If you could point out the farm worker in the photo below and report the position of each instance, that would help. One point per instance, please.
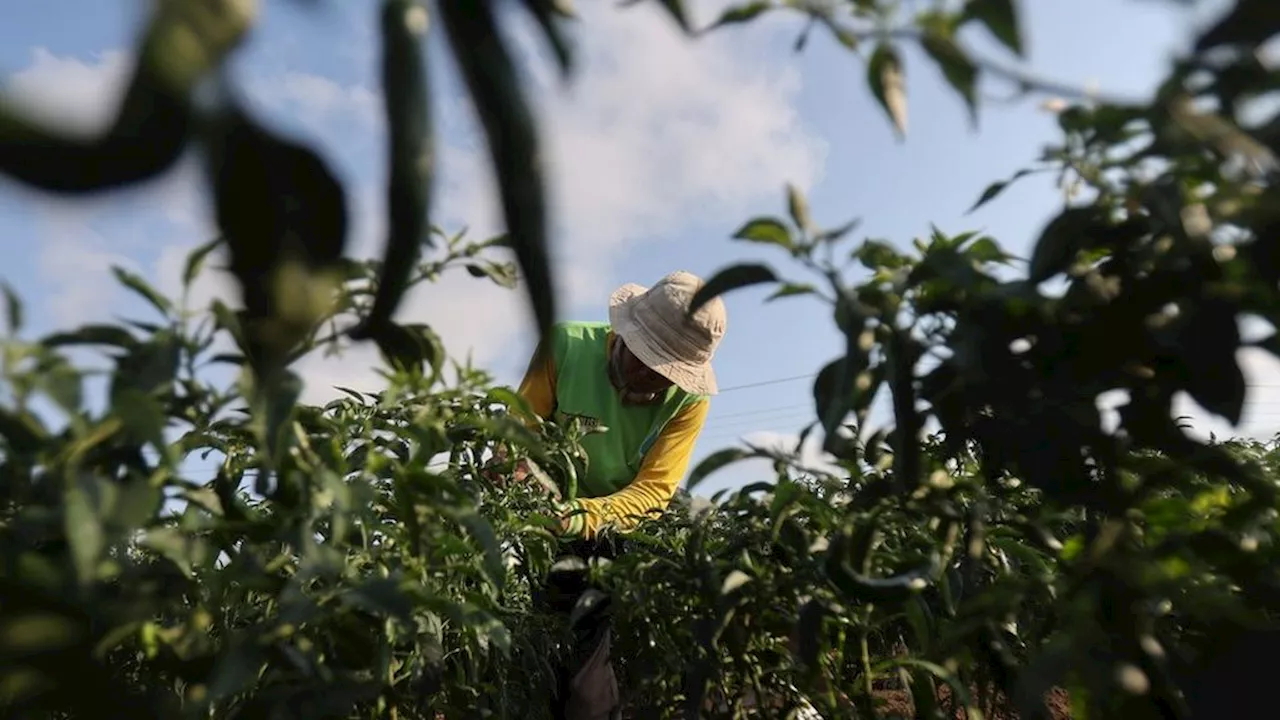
(646, 377)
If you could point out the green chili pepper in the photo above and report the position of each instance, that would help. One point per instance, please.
(406, 101)
(487, 68)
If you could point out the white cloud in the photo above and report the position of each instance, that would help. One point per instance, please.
(74, 261)
(74, 95)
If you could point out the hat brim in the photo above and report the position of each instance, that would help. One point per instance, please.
(693, 378)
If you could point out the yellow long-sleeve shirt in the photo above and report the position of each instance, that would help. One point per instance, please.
(660, 472)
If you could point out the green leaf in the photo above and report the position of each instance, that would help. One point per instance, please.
(513, 400)
(838, 232)
(149, 367)
(504, 274)
(195, 261)
(281, 401)
(791, 290)
(876, 255)
(407, 348)
(185, 551)
(885, 78)
(956, 67)
(731, 278)
(83, 504)
(957, 687)
(144, 419)
(740, 14)
(13, 309)
(63, 384)
(716, 461)
(766, 230)
(509, 430)
(677, 11)
(994, 189)
(236, 669)
(93, 335)
(987, 250)
(22, 431)
(482, 532)
(1001, 18)
(141, 287)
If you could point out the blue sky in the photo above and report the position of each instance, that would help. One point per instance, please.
(658, 150)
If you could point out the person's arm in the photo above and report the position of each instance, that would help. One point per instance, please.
(653, 487)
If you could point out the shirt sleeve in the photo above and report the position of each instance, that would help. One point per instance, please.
(654, 485)
(539, 385)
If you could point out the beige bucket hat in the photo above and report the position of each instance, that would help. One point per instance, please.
(657, 328)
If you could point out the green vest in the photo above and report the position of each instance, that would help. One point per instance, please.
(583, 390)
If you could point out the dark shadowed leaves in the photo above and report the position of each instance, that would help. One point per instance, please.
(1208, 340)
(407, 348)
(731, 278)
(149, 367)
(383, 596)
(1065, 236)
(1249, 23)
(809, 631)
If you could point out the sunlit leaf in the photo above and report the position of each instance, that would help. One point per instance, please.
(135, 283)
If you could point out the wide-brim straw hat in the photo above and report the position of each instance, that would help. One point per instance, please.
(656, 326)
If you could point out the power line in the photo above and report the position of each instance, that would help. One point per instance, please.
(762, 383)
